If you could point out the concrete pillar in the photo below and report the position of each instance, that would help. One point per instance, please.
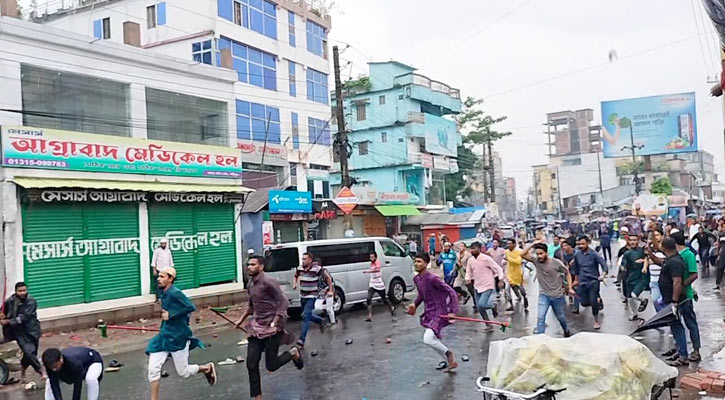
(137, 95)
(12, 94)
(12, 238)
(143, 234)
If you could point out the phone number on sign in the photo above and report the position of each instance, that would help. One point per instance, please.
(35, 163)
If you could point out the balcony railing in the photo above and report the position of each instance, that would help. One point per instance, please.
(417, 79)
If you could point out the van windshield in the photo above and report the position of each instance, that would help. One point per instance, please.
(281, 259)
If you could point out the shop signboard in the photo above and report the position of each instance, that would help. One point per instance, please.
(274, 154)
(26, 147)
(289, 202)
(346, 200)
(656, 125)
(267, 232)
(397, 198)
(440, 136)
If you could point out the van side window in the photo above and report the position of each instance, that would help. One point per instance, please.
(391, 249)
(282, 259)
(343, 253)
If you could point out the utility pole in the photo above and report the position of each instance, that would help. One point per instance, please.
(341, 143)
(484, 173)
(599, 168)
(632, 147)
(491, 176)
(341, 140)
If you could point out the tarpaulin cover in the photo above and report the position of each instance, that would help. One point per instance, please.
(589, 365)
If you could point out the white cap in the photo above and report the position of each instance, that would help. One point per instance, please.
(624, 229)
(164, 240)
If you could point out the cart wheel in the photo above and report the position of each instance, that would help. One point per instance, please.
(4, 373)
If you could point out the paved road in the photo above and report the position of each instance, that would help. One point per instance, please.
(371, 369)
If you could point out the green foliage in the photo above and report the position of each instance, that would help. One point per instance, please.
(455, 184)
(661, 186)
(360, 85)
(478, 124)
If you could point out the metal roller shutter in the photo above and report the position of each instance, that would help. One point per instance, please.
(53, 281)
(112, 276)
(175, 220)
(78, 263)
(217, 261)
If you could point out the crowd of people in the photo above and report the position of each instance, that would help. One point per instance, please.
(656, 263)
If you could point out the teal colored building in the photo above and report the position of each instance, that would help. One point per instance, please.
(403, 137)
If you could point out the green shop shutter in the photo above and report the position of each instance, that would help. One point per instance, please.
(113, 276)
(174, 220)
(53, 281)
(201, 239)
(90, 252)
(217, 261)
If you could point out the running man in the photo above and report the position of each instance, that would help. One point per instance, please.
(553, 248)
(482, 270)
(587, 263)
(515, 273)
(325, 301)
(448, 259)
(175, 337)
(635, 263)
(307, 277)
(264, 322)
(73, 366)
(566, 254)
(376, 286)
(20, 323)
(548, 272)
(440, 299)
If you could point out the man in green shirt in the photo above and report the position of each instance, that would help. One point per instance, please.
(686, 308)
(637, 280)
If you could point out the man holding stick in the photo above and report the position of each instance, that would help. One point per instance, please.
(440, 299)
(267, 308)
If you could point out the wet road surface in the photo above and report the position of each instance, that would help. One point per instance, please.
(371, 369)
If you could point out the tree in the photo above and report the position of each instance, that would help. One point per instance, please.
(455, 183)
(661, 186)
(480, 127)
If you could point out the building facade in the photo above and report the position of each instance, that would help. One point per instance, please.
(278, 51)
(572, 132)
(545, 192)
(403, 139)
(106, 150)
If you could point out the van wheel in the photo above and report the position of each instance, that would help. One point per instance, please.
(397, 291)
(339, 301)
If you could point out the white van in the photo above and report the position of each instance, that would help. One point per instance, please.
(346, 259)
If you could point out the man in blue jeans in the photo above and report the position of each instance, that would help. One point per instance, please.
(308, 277)
(548, 272)
(586, 263)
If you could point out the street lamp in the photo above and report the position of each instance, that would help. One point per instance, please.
(627, 123)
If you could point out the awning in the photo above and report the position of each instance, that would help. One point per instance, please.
(397, 211)
(37, 183)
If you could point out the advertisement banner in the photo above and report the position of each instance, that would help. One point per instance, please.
(289, 202)
(659, 124)
(440, 136)
(414, 184)
(25, 147)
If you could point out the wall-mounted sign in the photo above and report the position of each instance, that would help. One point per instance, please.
(274, 154)
(111, 196)
(397, 198)
(25, 147)
(289, 202)
(426, 160)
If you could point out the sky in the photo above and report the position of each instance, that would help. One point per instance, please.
(527, 58)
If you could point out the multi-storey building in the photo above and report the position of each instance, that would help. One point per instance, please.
(106, 150)
(278, 50)
(403, 138)
(572, 132)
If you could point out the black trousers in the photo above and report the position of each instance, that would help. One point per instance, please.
(381, 293)
(272, 360)
(607, 253)
(29, 346)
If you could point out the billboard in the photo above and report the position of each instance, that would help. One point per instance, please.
(441, 136)
(659, 124)
(26, 147)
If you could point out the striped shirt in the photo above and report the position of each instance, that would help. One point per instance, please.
(309, 279)
(654, 269)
